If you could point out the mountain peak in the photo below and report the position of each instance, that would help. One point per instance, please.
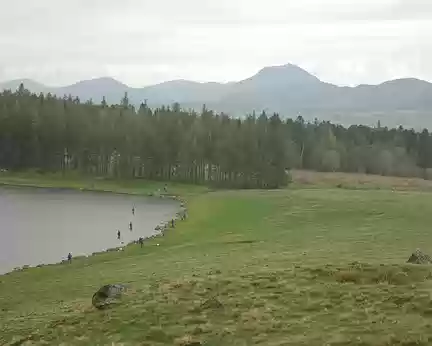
(286, 68)
(283, 74)
(102, 82)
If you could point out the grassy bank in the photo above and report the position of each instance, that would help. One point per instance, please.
(79, 182)
(291, 267)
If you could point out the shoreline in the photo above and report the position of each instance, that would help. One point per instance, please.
(158, 231)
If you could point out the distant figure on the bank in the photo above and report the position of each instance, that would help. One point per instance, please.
(172, 223)
(130, 226)
(166, 188)
(133, 210)
(141, 241)
(69, 257)
(118, 234)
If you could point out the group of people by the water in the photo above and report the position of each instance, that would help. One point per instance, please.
(141, 239)
(130, 225)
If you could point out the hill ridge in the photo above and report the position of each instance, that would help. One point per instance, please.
(286, 89)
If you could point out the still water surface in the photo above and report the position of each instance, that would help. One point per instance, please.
(43, 226)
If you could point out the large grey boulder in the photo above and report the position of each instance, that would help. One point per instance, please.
(107, 295)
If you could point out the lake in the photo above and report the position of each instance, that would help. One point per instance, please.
(43, 225)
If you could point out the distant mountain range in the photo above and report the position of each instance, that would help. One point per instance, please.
(288, 90)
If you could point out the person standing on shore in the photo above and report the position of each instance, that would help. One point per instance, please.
(69, 257)
(141, 241)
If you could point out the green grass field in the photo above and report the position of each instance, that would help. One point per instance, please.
(303, 266)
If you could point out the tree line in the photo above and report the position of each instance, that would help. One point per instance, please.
(49, 133)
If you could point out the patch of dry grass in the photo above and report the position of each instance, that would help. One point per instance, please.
(305, 305)
(358, 181)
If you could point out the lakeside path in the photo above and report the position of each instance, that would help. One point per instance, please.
(307, 266)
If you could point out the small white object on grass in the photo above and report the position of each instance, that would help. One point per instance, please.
(157, 244)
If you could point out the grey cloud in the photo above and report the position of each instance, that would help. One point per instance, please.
(412, 9)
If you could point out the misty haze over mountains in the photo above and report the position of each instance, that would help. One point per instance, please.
(288, 90)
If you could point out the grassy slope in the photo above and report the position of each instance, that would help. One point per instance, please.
(280, 263)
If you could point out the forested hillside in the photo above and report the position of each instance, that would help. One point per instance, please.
(169, 143)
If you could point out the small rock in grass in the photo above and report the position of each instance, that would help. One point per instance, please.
(418, 257)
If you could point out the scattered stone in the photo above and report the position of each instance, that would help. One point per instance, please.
(107, 295)
(212, 303)
(214, 272)
(418, 257)
(187, 341)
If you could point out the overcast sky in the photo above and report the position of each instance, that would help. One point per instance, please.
(141, 42)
